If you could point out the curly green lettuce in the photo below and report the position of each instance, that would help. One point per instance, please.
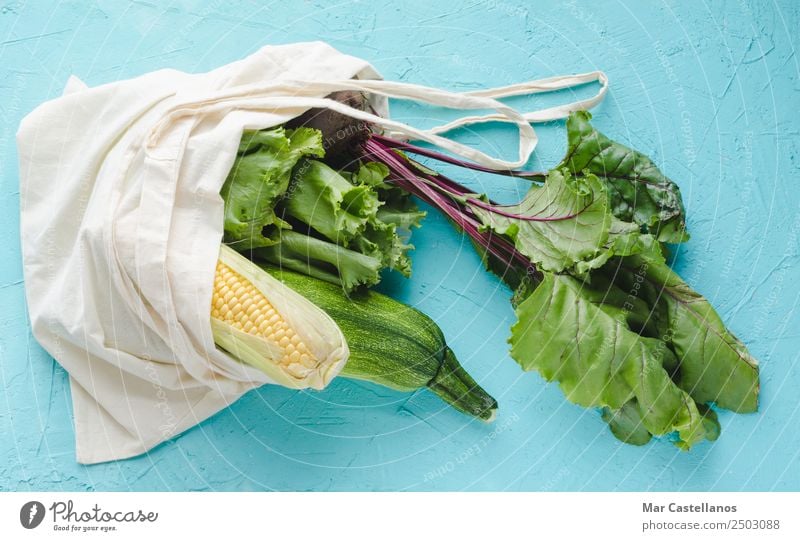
(285, 206)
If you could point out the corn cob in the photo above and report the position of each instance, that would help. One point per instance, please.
(237, 302)
(265, 324)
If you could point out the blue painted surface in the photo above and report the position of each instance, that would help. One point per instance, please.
(710, 90)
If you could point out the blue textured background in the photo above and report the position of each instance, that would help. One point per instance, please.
(709, 90)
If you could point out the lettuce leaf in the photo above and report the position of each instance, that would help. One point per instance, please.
(357, 211)
(399, 209)
(297, 212)
(381, 241)
(325, 201)
(322, 259)
(258, 179)
(371, 174)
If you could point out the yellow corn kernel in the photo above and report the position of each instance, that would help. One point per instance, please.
(237, 302)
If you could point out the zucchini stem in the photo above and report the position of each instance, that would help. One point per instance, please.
(456, 387)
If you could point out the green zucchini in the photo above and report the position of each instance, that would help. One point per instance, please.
(393, 344)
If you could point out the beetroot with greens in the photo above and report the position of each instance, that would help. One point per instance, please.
(599, 309)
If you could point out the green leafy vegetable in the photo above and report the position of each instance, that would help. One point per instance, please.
(565, 221)
(322, 259)
(638, 191)
(569, 334)
(258, 179)
(714, 365)
(297, 212)
(324, 200)
(626, 423)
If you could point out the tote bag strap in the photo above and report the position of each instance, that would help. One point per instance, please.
(549, 84)
(453, 100)
(293, 95)
(296, 96)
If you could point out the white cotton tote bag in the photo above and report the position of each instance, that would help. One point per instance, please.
(121, 223)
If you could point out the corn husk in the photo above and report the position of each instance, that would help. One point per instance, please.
(315, 328)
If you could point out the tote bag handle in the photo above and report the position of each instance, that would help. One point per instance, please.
(294, 95)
